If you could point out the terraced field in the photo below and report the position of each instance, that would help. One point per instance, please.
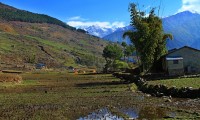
(61, 95)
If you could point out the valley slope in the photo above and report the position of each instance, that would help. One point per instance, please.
(24, 40)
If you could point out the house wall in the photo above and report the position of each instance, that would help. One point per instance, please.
(175, 69)
(171, 65)
(191, 59)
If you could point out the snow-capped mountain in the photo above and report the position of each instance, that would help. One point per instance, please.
(184, 26)
(117, 35)
(98, 31)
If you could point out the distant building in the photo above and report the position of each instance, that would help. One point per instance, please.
(185, 60)
(39, 65)
(71, 69)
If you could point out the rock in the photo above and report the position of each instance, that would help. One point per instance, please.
(161, 94)
(165, 97)
(153, 94)
(170, 97)
(168, 100)
(148, 95)
(163, 89)
(190, 88)
(173, 91)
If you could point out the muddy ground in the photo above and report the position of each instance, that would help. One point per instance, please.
(60, 95)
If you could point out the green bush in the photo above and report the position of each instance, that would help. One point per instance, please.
(119, 65)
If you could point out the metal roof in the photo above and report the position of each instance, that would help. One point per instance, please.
(174, 58)
(174, 50)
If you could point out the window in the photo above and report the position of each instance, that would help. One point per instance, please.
(175, 61)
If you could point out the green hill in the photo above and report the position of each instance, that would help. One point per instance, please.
(11, 14)
(27, 38)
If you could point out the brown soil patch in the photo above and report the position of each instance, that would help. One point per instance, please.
(6, 28)
(58, 35)
(10, 78)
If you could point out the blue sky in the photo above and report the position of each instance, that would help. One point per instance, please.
(105, 13)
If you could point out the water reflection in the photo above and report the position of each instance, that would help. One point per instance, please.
(147, 112)
(102, 114)
(171, 115)
(131, 113)
(105, 114)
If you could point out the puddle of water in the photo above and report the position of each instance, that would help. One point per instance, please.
(147, 112)
(131, 113)
(171, 115)
(102, 114)
(105, 114)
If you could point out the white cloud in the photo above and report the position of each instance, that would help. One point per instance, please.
(148, 7)
(76, 18)
(78, 24)
(190, 5)
(118, 24)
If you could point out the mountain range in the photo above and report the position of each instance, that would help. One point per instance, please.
(98, 31)
(117, 35)
(184, 26)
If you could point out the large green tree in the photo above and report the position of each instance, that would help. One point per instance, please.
(148, 38)
(111, 53)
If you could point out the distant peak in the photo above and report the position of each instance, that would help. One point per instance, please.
(187, 12)
(95, 26)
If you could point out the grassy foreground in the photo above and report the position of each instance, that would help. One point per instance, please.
(64, 96)
(179, 83)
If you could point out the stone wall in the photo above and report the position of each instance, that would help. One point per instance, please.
(159, 90)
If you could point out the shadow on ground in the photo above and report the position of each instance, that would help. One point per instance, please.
(92, 84)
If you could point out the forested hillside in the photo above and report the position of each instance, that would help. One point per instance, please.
(11, 14)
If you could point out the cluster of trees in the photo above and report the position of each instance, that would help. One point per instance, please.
(149, 39)
(25, 16)
(113, 54)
